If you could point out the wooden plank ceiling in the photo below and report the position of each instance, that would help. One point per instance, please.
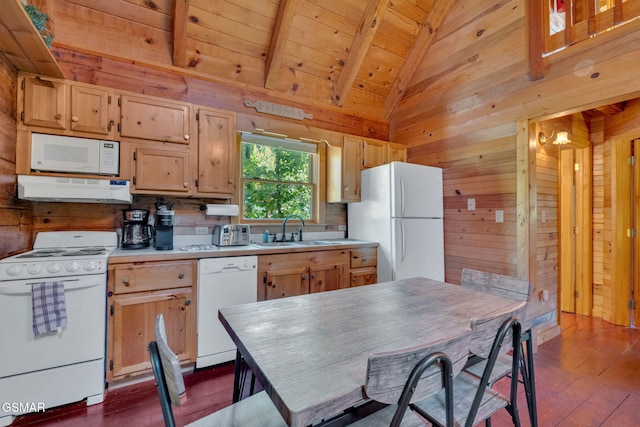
(356, 55)
(352, 53)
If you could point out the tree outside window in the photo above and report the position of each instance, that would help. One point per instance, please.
(277, 178)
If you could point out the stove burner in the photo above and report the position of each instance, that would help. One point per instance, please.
(52, 252)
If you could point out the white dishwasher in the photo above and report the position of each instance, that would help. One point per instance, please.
(222, 282)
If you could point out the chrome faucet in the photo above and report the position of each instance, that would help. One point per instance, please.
(284, 227)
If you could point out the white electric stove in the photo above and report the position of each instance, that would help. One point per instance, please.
(64, 366)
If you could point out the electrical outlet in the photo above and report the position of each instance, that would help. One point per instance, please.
(342, 227)
(499, 216)
(202, 230)
(471, 204)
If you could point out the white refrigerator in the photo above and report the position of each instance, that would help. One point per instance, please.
(401, 209)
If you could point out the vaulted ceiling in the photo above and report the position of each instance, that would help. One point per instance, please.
(356, 55)
(348, 52)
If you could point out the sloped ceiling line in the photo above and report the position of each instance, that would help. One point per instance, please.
(359, 47)
(279, 37)
(180, 33)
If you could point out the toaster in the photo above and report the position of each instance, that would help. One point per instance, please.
(231, 235)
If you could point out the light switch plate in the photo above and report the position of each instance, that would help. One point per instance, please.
(499, 216)
(471, 204)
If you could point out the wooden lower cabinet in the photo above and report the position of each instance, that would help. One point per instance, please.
(138, 292)
(285, 275)
(363, 267)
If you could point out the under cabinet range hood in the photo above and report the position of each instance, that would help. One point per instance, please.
(68, 189)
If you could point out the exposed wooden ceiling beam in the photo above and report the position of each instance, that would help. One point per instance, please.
(359, 47)
(279, 37)
(180, 33)
(428, 32)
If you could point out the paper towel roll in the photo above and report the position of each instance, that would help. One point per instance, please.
(222, 210)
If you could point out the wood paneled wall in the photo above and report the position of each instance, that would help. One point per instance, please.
(16, 219)
(460, 112)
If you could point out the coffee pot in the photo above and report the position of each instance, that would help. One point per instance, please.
(136, 232)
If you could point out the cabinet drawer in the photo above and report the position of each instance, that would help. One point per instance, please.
(364, 257)
(135, 278)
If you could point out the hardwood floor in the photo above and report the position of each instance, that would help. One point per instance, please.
(586, 377)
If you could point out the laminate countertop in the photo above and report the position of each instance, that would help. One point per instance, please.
(120, 256)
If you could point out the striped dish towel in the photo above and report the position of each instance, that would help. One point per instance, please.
(49, 309)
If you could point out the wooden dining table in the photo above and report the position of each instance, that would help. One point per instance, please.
(310, 352)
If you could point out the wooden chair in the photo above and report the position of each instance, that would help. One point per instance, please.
(502, 286)
(255, 411)
(400, 377)
(473, 399)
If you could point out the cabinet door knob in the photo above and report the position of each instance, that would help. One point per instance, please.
(186, 137)
(110, 125)
(58, 116)
(74, 118)
(185, 184)
(187, 302)
(126, 281)
(181, 276)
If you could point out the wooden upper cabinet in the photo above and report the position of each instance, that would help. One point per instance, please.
(63, 108)
(396, 152)
(45, 103)
(160, 171)
(374, 153)
(149, 118)
(92, 110)
(216, 152)
(343, 170)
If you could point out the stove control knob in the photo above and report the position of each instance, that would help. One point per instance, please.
(34, 268)
(54, 267)
(14, 270)
(89, 265)
(72, 266)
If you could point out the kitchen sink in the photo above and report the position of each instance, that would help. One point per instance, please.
(275, 244)
(317, 243)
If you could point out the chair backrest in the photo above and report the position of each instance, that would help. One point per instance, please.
(388, 372)
(508, 335)
(161, 384)
(496, 284)
(166, 371)
(483, 329)
(170, 364)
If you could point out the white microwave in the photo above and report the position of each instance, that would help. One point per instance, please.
(54, 153)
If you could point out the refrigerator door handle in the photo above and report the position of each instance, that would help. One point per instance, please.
(404, 241)
(401, 197)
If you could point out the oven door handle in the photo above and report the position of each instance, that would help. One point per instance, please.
(21, 287)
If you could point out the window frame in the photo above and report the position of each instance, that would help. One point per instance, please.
(318, 179)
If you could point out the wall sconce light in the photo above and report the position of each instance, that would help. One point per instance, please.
(562, 136)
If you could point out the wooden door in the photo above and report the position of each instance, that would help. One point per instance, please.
(216, 152)
(327, 277)
(374, 153)
(153, 119)
(133, 323)
(634, 254)
(363, 276)
(161, 171)
(576, 242)
(396, 152)
(45, 103)
(351, 167)
(281, 283)
(91, 110)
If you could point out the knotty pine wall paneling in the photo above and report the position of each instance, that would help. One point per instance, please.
(16, 220)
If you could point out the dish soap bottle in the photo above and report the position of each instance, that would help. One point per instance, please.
(265, 239)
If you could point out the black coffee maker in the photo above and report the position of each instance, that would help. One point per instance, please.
(136, 232)
(164, 226)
